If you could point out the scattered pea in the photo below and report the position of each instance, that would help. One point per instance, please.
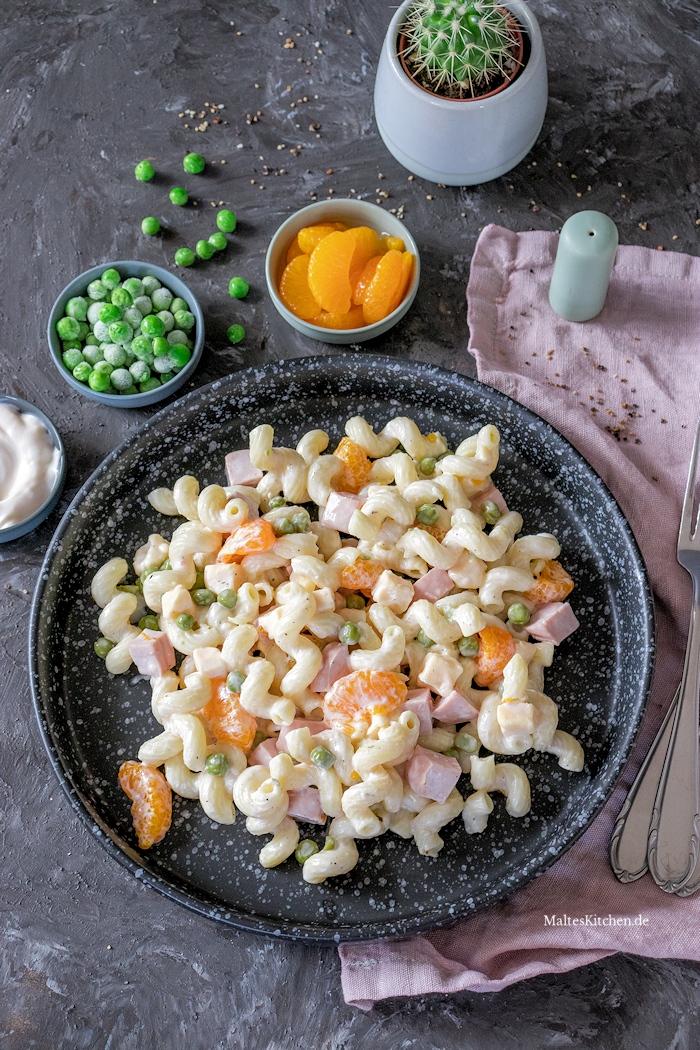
(468, 646)
(490, 511)
(203, 596)
(204, 249)
(305, 849)
(184, 257)
(518, 614)
(102, 646)
(77, 308)
(234, 681)
(150, 226)
(466, 742)
(349, 633)
(218, 241)
(228, 598)
(235, 333)
(68, 328)
(178, 196)
(428, 514)
(193, 163)
(149, 623)
(238, 288)
(322, 757)
(216, 764)
(144, 171)
(354, 601)
(185, 621)
(423, 639)
(226, 220)
(427, 465)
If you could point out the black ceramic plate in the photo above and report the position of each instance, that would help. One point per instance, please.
(91, 722)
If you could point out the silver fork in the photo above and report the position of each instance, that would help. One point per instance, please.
(674, 835)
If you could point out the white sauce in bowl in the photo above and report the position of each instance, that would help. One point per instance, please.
(29, 464)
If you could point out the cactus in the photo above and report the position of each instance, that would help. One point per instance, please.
(460, 47)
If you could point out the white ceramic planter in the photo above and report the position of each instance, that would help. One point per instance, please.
(460, 143)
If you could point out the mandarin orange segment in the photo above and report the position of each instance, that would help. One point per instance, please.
(227, 719)
(367, 245)
(253, 537)
(293, 250)
(311, 236)
(294, 289)
(406, 271)
(362, 575)
(361, 283)
(357, 466)
(393, 244)
(354, 318)
(384, 287)
(363, 694)
(434, 530)
(496, 648)
(552, 584)
(329, 272)
(152, 801)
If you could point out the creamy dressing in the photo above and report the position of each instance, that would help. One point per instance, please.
(29, 464)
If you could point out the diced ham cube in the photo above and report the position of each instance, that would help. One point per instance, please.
(394, 591)
(152, 652)
(336, 664)
(239, 469)
(223, 577)
(455, 707)
(553, 623)
(263, 754)
(209, 662)
(434, 585)
(491, 493)
(305, 805)
(339, 509)
(432, 775)
(421, 703)
(298, 723)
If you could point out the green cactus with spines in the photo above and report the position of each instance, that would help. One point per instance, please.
(464, 45)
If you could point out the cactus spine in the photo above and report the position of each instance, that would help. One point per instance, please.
(460, 47)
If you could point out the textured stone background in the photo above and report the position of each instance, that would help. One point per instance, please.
(88, 958)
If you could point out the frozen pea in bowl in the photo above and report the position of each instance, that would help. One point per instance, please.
(126, 333)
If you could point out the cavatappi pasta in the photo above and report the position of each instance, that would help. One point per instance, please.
(358, 636)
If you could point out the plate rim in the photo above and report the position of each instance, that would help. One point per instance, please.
(236, 916)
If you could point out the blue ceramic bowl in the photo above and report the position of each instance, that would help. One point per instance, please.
(13, 532)
(127, 268)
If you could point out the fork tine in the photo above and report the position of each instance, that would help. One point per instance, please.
(689, 529)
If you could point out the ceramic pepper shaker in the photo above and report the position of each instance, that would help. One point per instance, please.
(585, 257)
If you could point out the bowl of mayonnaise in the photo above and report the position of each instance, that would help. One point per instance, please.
(32, 467)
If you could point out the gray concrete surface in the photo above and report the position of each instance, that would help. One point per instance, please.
(88, 958)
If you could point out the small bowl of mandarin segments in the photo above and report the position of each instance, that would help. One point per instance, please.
(126, 334)
(342, 271)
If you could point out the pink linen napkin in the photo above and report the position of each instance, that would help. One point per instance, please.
(625, 389)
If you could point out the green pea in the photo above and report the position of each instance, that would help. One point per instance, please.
(234, 681)
(164, 365)
(121, 379)
(466, 742)
(203, 596)
(148, 571)
(518, 614)
(427, 465)
(185, 621)
(349, 633)
(216, 764)
(468, 646)
(149, 384)
(238, 288)
(322, 757)
(98, 381)
(109, 313)
(305, 849)
(129, 390)
(140, 371)
(68, 328)
(329, 843)
(82, 371)
(144, 171)
(354, 601)
(71, 358)
(149, 623)
(204, 249)
(166, 565)
(115, 354)
(104, 367)
(218, 241)
(423, 639)
(428, 514)
(92, 340)
(226, 220)
(490, 511)
(132, 588)
(235, 333)
(84, 330)
(193, 163)
(102, 646)
(141, 347)
(122, 297)
(71, 344)
(277, 501)
(179, 355)
(198, 581)
(120, 332)
(110, 278)
(77, 308)
(451, 752)
(283, 527)
(152, 326)
(184, 320)
(443, 454)
(228, 598)
(92, 354)
(178, 196)
(184, 257)
(97, 290)
(160, 346)
(150, 226)
(177, 304)
(301, 522)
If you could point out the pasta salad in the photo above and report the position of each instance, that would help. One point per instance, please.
(356, 631)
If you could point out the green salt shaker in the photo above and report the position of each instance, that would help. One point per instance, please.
(585, 258)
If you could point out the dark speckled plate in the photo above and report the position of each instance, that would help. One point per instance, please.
(91, 722)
